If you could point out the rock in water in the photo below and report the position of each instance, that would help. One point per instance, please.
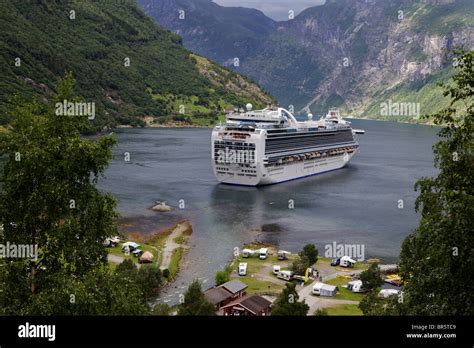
(161, 207)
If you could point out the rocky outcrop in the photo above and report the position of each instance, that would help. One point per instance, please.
(345, 53)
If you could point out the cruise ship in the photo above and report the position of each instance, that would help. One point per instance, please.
(269, 146)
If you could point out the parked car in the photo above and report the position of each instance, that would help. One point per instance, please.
(335, 261)
(137, 252)
(242, 269)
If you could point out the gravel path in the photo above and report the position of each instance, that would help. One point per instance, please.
(171, 245)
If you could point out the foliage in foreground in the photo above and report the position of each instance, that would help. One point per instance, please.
(48, 198)
(195, 303)
(287, 303)
(371, 277)
(437, 259)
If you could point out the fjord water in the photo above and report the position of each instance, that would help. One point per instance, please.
(358, 204)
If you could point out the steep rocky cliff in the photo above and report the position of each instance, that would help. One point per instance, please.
(219, 33)
(355, 54)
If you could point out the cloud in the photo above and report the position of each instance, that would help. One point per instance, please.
(276, 9)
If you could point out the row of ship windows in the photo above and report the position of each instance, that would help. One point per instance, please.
(287, 146)
(313, 155)
(224, 169)
(233, 143)
(239, 174)
(247, 165)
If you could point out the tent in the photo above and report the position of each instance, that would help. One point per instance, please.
(130, 245)
(147, 257)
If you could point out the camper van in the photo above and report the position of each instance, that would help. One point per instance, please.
(286, 275)
(346, 261)
(112, 242)
(263, 253)
(276, 269)
(321, 289)
(242, 269)
(283, 255)
(355, 286)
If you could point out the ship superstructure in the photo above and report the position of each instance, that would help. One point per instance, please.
(270, 146)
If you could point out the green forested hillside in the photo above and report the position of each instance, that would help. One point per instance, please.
(43, 39)
(427, 93)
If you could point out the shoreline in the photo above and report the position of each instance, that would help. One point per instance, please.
(184, 126)
(170, 245)
(125, 126)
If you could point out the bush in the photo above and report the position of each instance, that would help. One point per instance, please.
(179, 118)
(311, 253)
(321, 312)
(127, 268)
(166, 273)
(149, 280)
(300, 265)
(223, 276)
(371, 277)
(161, 309)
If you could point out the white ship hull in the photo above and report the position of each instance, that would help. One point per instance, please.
(279, 174)
(269, 147)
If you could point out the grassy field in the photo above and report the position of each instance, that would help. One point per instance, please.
(344, 309)
(344, 293)
(118, 251)
(180, 240)
(357, 266)
(256, 284)
(174, 263)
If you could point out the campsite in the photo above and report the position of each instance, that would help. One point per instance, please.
(267, 276)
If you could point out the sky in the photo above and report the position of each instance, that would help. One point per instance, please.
(276, 9)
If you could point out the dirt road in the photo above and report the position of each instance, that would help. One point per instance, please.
(171, 245)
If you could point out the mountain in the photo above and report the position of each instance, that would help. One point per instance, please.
(121, 59)
(354, 54)
(219, 33)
